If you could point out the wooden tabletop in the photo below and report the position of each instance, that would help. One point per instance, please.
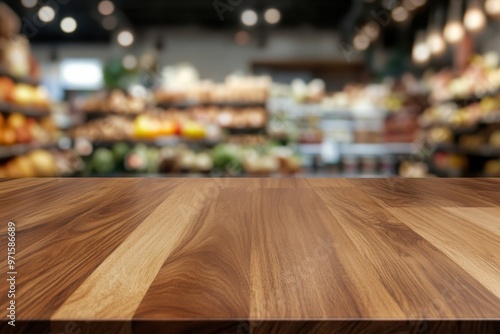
(253, 255)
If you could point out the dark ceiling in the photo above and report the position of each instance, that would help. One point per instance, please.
(343, 15)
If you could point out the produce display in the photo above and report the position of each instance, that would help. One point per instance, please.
(108, 128)
(115, 102)
(15, 54)
(461, 130)
(23, 95)
(182, 84)
(41, 163)
(452, 115)
(480, 78)
(192, 124)
(16, 128)
(223, 159)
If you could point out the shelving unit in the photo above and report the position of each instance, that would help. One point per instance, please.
(16, 79)
(34, 112)
(11, 151)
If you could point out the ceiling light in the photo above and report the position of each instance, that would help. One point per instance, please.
(46, 14)
(272, 16)
(68, 25)
(454, 32)
(492, 7)
(436, 43)
(361, 42)
(125, 38)
(109, 22)
(29, 3)
(421, 53)
(106, 7)
(372, 30)
(399, 14)
(474, 19)
(242, 37)
(129, 62)
(249, 17)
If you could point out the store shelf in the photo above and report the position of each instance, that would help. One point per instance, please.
(16, 79)
(27, 111)
(466, 101)
(20, 149)
(377, 149)
(482, 151)
(493, 118)
(99, 114)
(164, 141)
(246, 131)
(192, 104)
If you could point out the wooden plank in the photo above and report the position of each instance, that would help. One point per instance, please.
(210, 266)
(254, 255)
(116, 288)
(472, 247)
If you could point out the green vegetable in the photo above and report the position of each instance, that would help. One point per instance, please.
(120, 151)
(103, 161)
(226, 159)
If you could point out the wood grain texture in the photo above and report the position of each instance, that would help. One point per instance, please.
(254, 255)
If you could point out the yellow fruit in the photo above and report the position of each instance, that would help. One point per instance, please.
(193, 130)
(23, 94)
(25, 166)
(16, 121)
(142, 127)
(44, 163)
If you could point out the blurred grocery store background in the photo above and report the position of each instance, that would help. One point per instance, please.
(249, 88)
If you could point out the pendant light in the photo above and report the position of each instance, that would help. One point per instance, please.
(492, 8)
(421, 53)
(435, 40)
(474, 19)
(454, 31)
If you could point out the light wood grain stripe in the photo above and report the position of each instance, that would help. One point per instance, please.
(487, 218)
(469, 245)
(116, 288)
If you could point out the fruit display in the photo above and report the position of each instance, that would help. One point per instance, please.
(390, 95)
(312, 92)
(193, 124)
(23, 95)
(182, 84)
(108, 128)
(16, 128)
(486, 111)
(115, 101)
(41, 163)
(480, 78)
